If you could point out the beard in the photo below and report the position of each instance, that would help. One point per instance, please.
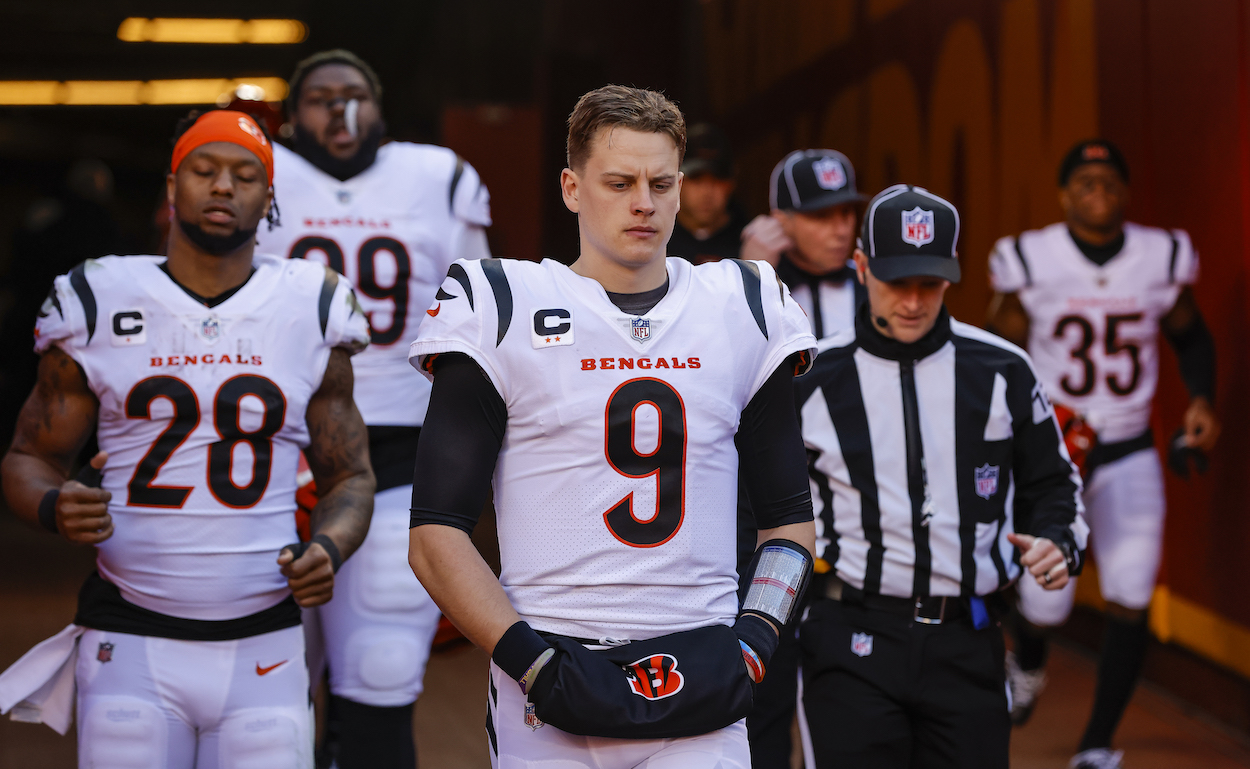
(311, 150)
(217, 245)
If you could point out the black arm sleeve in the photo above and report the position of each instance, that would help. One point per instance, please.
(772, 460)
(1195, 351)
(459, 445)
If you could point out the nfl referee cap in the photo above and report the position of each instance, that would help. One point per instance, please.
(809, 180)
(910, 232)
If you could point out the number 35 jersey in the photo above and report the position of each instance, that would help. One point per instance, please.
(393, 229)
(202, 413)
(1093, 330)
(616, 485)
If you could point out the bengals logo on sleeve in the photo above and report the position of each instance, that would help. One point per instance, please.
(655, 677)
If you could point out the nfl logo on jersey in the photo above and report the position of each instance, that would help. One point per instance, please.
(987, 480)
(105, 652)
(861, 644)
(641, 328)
(829, 174)
(210, 329)
(917, 227)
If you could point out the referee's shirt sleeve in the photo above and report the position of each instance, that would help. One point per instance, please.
(1048, 485)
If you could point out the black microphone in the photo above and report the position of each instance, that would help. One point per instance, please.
(882, 322)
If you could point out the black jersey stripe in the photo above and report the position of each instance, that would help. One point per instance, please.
(457, 272)
(1172, 263)
(327, 295)
(455, 182)
(1028, 276)
(498, 280)
(845, 400)
(78, 279)
(917, 482)
(825, 490)
(490, 732)
(754, 292)
(56, 302)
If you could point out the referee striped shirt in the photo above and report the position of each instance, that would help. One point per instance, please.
(924, 456)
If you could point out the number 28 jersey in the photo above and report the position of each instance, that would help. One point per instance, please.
(617, 482)
(202, 413)
(1093, 330)
(393, 229)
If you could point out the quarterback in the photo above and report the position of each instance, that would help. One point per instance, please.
(204, 375)
(610, 401)
(391, 217)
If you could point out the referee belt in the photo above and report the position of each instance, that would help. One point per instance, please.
(927, 610)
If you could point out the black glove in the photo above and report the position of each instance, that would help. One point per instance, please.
(1179, 454)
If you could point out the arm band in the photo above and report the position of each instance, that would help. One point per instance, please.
(521, 653)
(1195, 352)
(47, 510)
(332, 550)
(778, 575)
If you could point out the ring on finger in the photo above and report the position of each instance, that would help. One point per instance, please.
(1047, 577)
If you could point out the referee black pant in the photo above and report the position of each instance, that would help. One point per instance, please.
(883, 691)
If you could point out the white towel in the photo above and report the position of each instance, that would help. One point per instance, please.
(39, 687)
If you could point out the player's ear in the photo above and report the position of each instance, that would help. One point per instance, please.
(171, 187)
(861, 266)
(569, 189)
(1065, 200)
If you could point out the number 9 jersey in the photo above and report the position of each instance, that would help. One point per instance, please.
(393, 229)
(1094, 330)
(202, 413)
(616, 485)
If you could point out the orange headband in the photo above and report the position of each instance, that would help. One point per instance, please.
(225, 125)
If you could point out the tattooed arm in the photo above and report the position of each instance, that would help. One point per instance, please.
(53, 426)
(338, 456)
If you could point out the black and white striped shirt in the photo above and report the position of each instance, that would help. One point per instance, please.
(924, 456)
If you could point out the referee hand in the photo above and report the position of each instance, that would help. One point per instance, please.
(1043, 559)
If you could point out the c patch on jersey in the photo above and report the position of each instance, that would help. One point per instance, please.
(551, 328)
(128, 328)
(655, 677)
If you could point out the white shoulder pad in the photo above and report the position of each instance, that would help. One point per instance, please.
(471, 314)
(783, 323)
(1184, 265)
(1007, 269)
(69, 315)
(470, 202)
(343, 322)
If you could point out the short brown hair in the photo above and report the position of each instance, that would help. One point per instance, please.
(617, 105)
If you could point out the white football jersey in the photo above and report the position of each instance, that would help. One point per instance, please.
(393, 229)
(616, 488)
(1094, 331)
(202, 414)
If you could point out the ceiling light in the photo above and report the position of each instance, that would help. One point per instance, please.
(128, 92)
(140, 30)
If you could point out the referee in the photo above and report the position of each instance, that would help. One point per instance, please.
(940, 479)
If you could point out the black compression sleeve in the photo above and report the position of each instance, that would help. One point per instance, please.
(773, 462)
(1195, 351)
(459, 445)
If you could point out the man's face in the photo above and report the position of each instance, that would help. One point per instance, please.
(626, 196)
(322, 105)
(823, 240)
(909, 305)
(1095, 197)
(704, 199)
(220, 187)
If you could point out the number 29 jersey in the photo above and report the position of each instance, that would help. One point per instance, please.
(1093, 330)
(202, 413)
(393, 229)
(617, 482)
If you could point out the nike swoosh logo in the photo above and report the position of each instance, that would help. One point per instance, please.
(262, 671)
(435, 311)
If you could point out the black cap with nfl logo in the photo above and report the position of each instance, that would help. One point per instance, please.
(809, 180)
(909, 232)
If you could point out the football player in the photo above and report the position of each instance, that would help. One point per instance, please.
(204, 375)
(1089, 296)
(392, 217)
(606, 399)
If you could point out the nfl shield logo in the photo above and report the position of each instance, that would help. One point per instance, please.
(829, 173)
(210, 328)
(917, 227)
(987, 480)
(641, 328)
(861, 644)
(344, 197)
(105, 652)
(531, 720)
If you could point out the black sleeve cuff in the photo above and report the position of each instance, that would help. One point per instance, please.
(757, 634)
(517, 650)
(420, 517)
